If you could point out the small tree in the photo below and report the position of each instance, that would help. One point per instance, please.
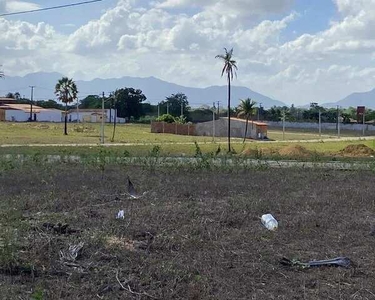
(247, 109)
(113, 102)
(66, 91)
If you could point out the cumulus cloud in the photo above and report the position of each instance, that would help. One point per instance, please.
(234, 6)
(161, 41)
(9, 6)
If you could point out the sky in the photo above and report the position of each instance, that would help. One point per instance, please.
(296, 51)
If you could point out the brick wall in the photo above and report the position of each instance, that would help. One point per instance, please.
(173, 128)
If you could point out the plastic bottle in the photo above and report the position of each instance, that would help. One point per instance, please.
(269, 222)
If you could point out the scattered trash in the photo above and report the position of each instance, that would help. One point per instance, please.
(72, 253)
(120, 214)
(132, 192)
(269, 222)
(338, 262)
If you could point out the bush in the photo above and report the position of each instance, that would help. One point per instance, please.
(166, 118)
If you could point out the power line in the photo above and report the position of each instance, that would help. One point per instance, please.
(49, 8)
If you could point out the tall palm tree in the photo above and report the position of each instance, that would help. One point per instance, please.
(66, 91)
(247, 109)
(230, 67)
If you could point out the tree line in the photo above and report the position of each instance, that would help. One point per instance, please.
(131, 104)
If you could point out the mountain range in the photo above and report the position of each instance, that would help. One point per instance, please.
(156, 90)
(366, 99)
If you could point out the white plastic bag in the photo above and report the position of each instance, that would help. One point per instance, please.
(120, 214)
(269, 222)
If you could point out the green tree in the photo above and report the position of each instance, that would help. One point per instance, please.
(246, 109)
(91, 101)
(49, 104)
(175, 103)
(230, 67)
(129, 103)
(10, 95)
(66, 91)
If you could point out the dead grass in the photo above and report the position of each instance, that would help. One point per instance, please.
(196, 235)
(359, 150)
(295, 151)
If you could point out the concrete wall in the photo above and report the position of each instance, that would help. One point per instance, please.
(49, 116)
(174, 128)
(16, 115)
(87, 116)
(221, 128)
(325, 126)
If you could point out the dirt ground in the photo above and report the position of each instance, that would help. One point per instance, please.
(194, 235)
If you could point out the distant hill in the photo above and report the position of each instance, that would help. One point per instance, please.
(155, 89)
(356, 99)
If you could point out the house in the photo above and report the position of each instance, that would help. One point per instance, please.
(255, 130)
(5, 100)
(21, 113)
(90, 115)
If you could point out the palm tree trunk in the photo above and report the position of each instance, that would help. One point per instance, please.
(247, 122)
(229, 149)
(66, 119)
(114, 126)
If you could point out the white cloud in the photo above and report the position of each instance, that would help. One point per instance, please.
(180, 47)
(10, 6)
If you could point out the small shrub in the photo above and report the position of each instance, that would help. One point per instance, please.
(166, 118)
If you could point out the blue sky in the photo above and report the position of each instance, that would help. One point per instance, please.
(297, 51)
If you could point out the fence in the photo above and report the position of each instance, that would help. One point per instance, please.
(325, 126)
(174, 128)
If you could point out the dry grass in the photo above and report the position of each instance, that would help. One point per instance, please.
(195, 235)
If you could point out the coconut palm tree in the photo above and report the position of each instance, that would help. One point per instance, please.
(66, 91)
(247, 109)
(230, 67)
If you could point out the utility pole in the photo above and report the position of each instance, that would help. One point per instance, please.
(167, 108)
(31, 103)
(260, 106)
(102, 127)
(77, 112)
(320, 123)
(218, 108)
(338, 121)
(363, 123)
(158, 109)
(213, 122)
(182, 108)
(283, 115)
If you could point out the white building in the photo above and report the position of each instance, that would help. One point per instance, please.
(21, 113)
(89, 115)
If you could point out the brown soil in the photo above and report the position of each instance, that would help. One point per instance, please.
(195, 235)
(294, 151)
(359, 150)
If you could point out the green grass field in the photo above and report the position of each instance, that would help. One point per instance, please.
(50, 133)
(139, 141)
